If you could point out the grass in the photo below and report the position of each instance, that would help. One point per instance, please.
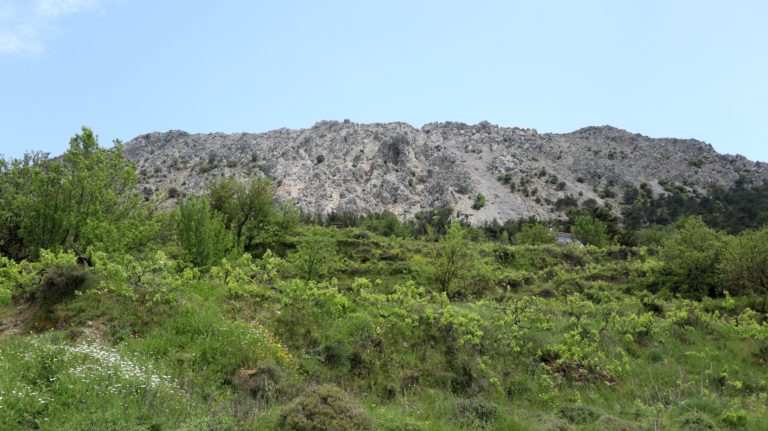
(183, 350)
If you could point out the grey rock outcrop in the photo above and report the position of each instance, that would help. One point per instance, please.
(366, 168)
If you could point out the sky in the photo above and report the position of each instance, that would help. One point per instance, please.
(683, 69)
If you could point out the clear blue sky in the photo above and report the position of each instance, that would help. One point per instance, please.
(686, 69)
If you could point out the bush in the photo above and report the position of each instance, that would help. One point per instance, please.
(315, 256)
(451, 260)
(62, 281)
(577, 414)
(611, 423)
(533, 234)
(590, 231)
(744, 263)
(5, 296)
(398, 423)
(477, 411)
(696, 421)
(479, 201)
(201, 232)
(734, 419)
(266, 382)
(691, 256)
(324, 408)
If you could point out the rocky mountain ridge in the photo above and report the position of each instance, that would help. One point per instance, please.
(367, 168)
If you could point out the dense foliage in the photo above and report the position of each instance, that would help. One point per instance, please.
(85, 198)
(229, 313)
(733, 210)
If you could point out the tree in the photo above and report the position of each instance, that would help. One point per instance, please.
(315, 255)
(745, 263)
(590, 231)
(201, 232)
(433, 222)
(691, 256)
(451, 259)
(247, 209)
(73, 202)
(534, 233)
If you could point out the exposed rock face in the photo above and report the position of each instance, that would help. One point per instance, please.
(365, 168)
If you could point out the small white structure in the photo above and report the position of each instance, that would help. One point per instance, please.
(564, 238)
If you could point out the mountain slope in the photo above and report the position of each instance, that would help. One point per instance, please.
(344, 166)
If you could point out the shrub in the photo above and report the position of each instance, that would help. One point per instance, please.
(504, 255)
(691, 256)
(399, 423)
(5, 296)
(578, 414)
(266, 382)
(696, 421)
(534, 233)
(62, 281)
(201, 231)
(479, 201)
(734, 419)
(323, 408)
(315, 256)
(612, 423)
(744, 263)
(477, 410)
(590, 231)
(452, 259)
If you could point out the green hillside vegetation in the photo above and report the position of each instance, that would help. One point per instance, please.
(235, 312)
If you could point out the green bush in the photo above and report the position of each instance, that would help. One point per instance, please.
(201, 232)
(62, 281)
(612, 423)
(479, 201)
(696, 421)
(451, 259)
(398, 423)
(267, 382)
(734, 419)
(691, 257)
(477, 411)
(745, 261)
(590, 231)
(578, 414)
(86, 197)
(315, 256)
(533, 234)
(324, 408)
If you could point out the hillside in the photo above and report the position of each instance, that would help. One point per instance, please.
(233, 312)
(368, 168)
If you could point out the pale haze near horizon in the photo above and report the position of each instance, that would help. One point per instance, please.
(685, 69)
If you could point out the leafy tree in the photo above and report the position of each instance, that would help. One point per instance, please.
(433, 222)
(745, 262)
(387, 224)
(87, 197)
(201, 232)
(315, 255)
(534, 233)
(691, 256)
(451, 259)
(252, 213)
(601, 214)
(590, 231)
(246, 208)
